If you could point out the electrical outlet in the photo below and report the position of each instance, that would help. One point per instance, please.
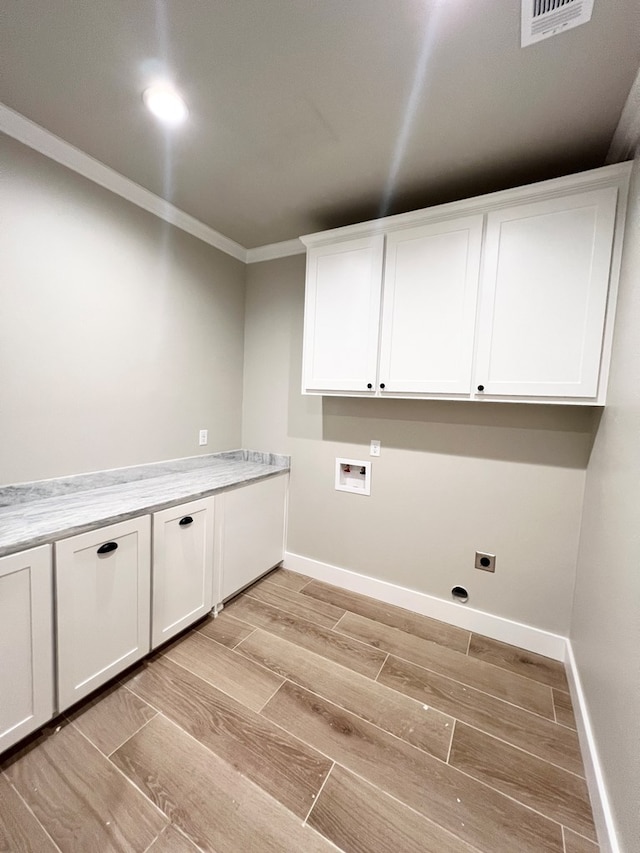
(204, 437)
(485, 562)
(374, 448)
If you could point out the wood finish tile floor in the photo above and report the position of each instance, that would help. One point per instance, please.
(307, 719)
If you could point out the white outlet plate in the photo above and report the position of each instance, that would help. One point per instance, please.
(203, 437)
(374, 447)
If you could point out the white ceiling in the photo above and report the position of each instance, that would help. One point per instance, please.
(311, 114)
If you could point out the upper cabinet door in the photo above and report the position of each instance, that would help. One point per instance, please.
(544, 296)
(342, 315)
(429, 307)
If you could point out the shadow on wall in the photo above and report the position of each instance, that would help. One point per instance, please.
(533, 434)
(560, 436)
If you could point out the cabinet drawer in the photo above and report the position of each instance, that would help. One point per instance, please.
(102, 582)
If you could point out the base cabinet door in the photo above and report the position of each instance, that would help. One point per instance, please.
(182, 581)
(249, 533)
(26, 644)
(102, 583)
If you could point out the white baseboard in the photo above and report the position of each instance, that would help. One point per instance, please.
(602, 814)
(496, 627)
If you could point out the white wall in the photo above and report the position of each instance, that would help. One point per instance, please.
(453, 477)
(120, 336)
(605, 629)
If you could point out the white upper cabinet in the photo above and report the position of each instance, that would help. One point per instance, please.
(544, 296)
(342, 315)
(506, 297)
(430, 292)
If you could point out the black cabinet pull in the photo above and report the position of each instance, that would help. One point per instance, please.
(107, 547)
(382, 384)
(369, 385)
(480, 387)
(186, 520)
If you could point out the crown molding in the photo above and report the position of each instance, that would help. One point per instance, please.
(626, 139)
(275, 250)
(34, 136)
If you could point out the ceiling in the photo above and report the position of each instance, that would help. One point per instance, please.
(312, 114)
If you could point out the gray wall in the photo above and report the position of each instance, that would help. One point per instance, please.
(453, 477)
(605, 630)
(120, 336)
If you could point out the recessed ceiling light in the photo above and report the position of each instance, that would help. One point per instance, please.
(165, 103)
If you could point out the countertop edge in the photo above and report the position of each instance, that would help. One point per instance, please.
(49, 538)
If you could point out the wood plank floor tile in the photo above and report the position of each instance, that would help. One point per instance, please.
(296, 603)
(292, 580)
(172, 841)
(336, 647)
(112, 717)
(553, 792)
(470, 810)
(535, 734)
(470, 671)
(224, 629)
(577, 844)
(564, 709)
(81, 799)
(220, 810)
(289, 770)
(20, 832)
(250, 684)
(387, 614)
(392, 711)
(531, 665)
(360, 818)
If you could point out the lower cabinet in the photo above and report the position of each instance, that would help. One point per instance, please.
(102, 588)
(182, 583)
(26, 644)
(249, 533)
(111, 608)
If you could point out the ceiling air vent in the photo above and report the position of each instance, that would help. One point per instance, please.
(542, 19)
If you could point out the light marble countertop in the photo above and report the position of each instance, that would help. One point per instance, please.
(37, 513)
